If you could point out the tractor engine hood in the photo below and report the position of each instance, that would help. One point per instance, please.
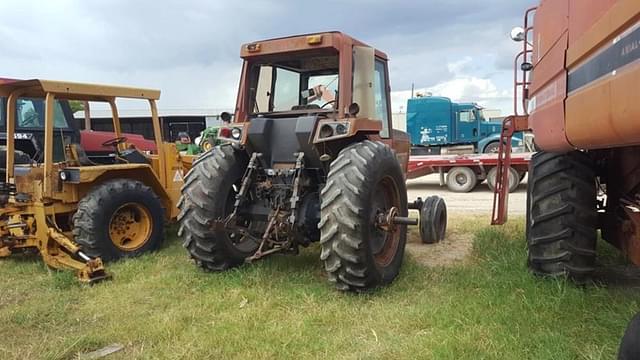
(280, 139)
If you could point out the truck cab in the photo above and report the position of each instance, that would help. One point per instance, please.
(437, 125)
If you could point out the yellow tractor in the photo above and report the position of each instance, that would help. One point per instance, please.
(74, 212)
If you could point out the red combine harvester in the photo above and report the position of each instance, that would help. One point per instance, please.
(583, 107)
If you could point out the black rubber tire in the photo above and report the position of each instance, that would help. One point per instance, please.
(346, 228)
(456, 174)
(514, 179)
(19, 158)
(433, 220)
(491, 148)
(91, 220)
(205, 197)
(561, 215)
(630, 346)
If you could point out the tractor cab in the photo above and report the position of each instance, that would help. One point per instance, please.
(325, 88)
(29, 130)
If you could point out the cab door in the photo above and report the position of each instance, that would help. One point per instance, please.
(467, 122)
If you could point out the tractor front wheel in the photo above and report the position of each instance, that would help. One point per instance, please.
(433, 220)
(364, 186)
(119, 218)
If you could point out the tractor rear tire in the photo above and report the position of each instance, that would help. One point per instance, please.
(514, 179)
(461, 179)
(433, 220)
(207, 195)
(363, 180)
(561, 215)
(119, 218)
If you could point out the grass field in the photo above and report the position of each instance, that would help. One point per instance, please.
(161, 306)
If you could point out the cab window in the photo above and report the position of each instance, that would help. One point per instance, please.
(467, 116)
(30, 114)
(380, 97)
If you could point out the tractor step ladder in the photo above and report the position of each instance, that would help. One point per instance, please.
(510, 125)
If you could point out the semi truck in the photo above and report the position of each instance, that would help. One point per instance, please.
(437, 125)
(576, 81)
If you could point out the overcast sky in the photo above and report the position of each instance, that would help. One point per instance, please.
(190, 48)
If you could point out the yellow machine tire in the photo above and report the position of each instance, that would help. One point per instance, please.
(119, 218)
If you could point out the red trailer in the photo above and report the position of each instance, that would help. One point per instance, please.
(465, 172)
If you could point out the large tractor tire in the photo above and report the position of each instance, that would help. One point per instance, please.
(561, 215)
(461, 179)
(514, 179)
(630, 346)
(433, 220)
(209, 194)
(119, 218)
(364, 181)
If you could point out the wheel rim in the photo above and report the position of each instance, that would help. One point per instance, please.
(130, 227)
(492, 149)
(461, 179)
(384, 242)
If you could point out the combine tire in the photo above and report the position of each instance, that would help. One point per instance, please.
(364, 180)
(514, 179)
(561, 215)
(433, 220)
(208, 194)
(119, 218)
(461, 179)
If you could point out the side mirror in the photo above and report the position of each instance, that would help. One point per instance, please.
(518, 34)
(225, 116)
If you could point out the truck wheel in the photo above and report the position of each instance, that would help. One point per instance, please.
(492, 147)
(364, 181)
(209, 194)
(461, 179)
(433, 220)
(514, 179)
(561, 215)
(119, 218)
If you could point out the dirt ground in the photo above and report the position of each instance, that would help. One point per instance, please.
(479, 201)
(457, 244)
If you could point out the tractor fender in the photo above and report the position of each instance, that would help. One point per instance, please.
(96, 175)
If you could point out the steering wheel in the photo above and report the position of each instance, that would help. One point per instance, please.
(327, 103)
(115, 141)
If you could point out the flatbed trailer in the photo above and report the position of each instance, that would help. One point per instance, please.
(465, 172)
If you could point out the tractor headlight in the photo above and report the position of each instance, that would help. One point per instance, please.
(341, 129)
(236, 133)
(331, 130)
(326, 131)
(63, 175)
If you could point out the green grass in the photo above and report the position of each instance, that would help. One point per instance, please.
(162, 306)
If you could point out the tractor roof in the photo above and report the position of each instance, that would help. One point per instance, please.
(76, 91)
(325, 40)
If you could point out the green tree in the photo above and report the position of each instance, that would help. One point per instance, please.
(76, 105)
